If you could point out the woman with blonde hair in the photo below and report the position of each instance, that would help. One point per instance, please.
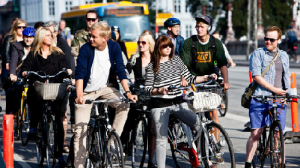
(15, 35)
(45, 57)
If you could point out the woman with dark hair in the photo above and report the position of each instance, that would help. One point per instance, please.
(116, 30)
(164, 70)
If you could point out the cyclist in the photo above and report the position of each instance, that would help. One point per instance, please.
(116, 30)
(201, 51)
(47, 58)
(65, 32)
(173, 26)
(164, 70)
(137, 63)
(98, 63)
(15, 35)
(19, 53)
(292, 42)
(275, 81)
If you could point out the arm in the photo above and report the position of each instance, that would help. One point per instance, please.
(6, 50)
(69, 38)
(13, 61)
(262, 82)
(79, 91)
(124, 84)
(224, 72)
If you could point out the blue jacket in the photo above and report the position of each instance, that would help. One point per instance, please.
(179, 44)
(85, 61)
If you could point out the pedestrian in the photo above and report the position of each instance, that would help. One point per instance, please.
(98, 55)
(275, 81)
(15, 35)
(292, 43)
(201, 51)
(116, 29)
(173, 26)
(65, 32)
(38, 25)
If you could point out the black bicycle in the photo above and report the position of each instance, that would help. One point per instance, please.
(270, 147)
(104, 147)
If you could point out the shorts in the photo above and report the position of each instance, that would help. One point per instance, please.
(259, 114)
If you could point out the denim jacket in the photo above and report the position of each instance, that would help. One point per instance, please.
(259, 60)
(179, 44)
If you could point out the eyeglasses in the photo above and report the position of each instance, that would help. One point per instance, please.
(165, 46)
(143, 42)
(21, 27)
(91, 19)
(271, 39)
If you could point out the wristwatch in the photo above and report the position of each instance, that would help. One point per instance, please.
(127, 92)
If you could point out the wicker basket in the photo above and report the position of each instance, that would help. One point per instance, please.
(50, 91)
(204, 101)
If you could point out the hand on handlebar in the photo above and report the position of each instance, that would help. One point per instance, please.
(13, 77)
(80, 100)
(280, 92)
(131, 97)
(24, 73)
(163, 90)
(214, 76)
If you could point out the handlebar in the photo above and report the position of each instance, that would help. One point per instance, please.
(205, 85)
(30, 73)
(90, 101)
(267, 98)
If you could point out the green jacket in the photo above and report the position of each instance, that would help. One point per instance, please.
(80, 38)
(203, 57)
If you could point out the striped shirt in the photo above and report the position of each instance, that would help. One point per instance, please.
(170, 73)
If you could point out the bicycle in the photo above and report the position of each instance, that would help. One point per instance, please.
(210, 146)
(271, 145)
(46, 128)
(104, 147)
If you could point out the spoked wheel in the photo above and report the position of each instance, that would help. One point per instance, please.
(224, 103)
(50, 149)
(221, 153)
(259, 157)
(18, 124)
(180, 147)
(94, 158)
(277, 146)
(114, 151)
(24, 124)
(40, 145)
(139, 143)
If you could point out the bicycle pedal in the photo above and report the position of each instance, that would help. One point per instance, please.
(193, 157)
(219, 158)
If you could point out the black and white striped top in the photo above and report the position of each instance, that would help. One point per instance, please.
(170, 73)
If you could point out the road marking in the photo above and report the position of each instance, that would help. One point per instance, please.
(21, 161)
(247, 119)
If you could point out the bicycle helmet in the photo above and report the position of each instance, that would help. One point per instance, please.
(115, 28)
(29, 31)
(171, 22)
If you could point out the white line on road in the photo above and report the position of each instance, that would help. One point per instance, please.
(21, 161)
(247, 119)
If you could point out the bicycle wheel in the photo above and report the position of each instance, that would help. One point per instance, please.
(139, 143)
(224, 103)
(218, 151)
(259, 157)
(114, 153)
(40, 144)
(25, 123)
(276, 146)
(50, 147)
(94, 146)
(179, 146)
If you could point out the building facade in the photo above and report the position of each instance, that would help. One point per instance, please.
(33, 11)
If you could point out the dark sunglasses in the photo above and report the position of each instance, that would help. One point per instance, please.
(271, 39)
(21, 27)
(143, 42)
(91, 19)
(165, 46)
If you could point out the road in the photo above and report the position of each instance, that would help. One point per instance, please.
(233, 122)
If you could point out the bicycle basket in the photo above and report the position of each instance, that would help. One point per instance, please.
(204, 101)
(50, 91)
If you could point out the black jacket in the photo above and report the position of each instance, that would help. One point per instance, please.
(137, 68)
(63, 45)
(6, 49)
(123, 47)
(17, 52)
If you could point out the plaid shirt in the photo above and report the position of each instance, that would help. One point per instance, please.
(259, 60)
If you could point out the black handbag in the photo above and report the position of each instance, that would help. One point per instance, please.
(246, 97)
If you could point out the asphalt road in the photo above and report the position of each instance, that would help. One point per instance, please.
(233, 122)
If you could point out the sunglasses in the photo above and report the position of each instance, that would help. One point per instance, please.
(21, 27)
(165, 46)
(143, 42)
(271, 39)
(91, 19)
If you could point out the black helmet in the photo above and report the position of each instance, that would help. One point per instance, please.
(115, 28)
(171, 22)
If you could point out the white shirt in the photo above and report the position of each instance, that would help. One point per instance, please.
(99, 71)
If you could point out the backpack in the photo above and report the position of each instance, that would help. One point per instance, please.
(194, 48)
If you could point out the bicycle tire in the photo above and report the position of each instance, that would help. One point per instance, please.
(139, 143)
(276, 148)
(25, 122)
(219, 155)
(259, 157)
(94, 149)
(224, 101)
(40, 144)
(114, 151)
(179, 146)
(50, 146)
